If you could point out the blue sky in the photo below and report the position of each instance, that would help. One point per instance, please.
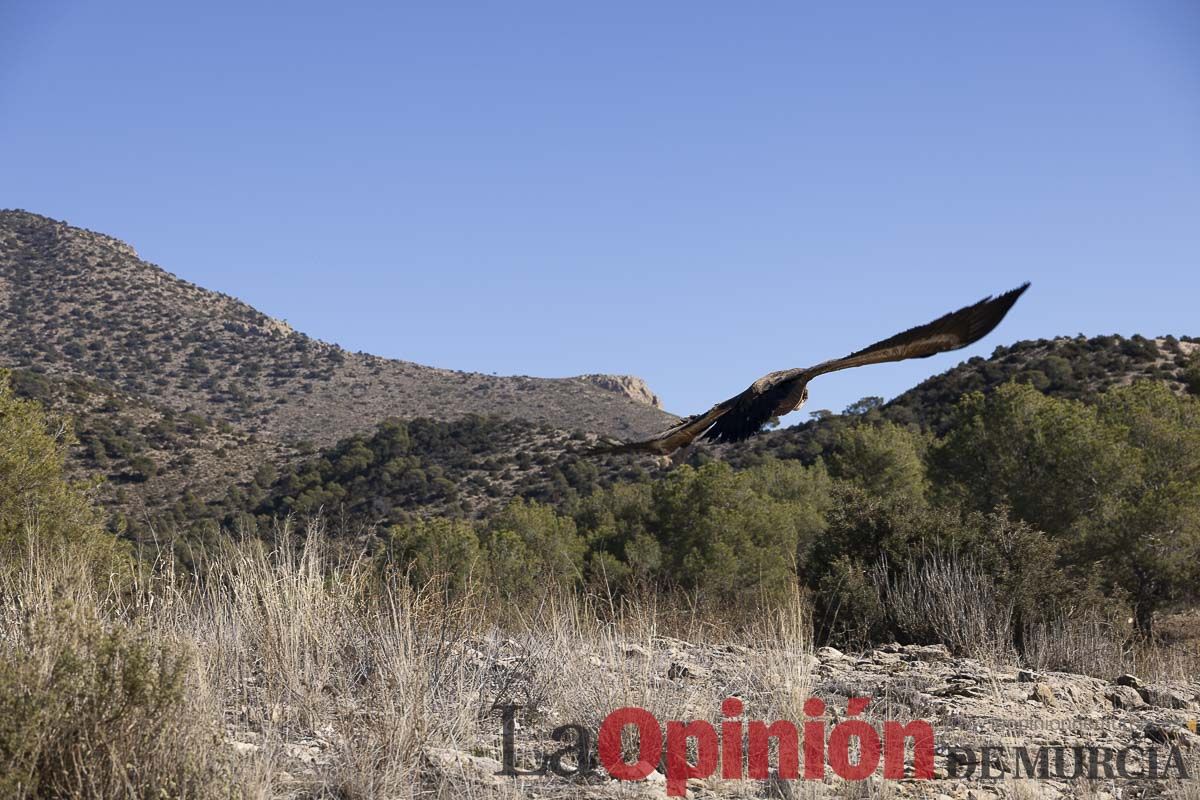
(696, 193)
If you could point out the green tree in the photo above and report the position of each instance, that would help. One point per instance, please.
(1149, 539)
(886, 460)
(726, 539)
(36, 499)
(1116, 485)
(1191, 375)
(530, 549)
(435, 549)
(1051, 461)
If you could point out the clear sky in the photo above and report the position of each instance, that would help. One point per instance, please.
(692, 192)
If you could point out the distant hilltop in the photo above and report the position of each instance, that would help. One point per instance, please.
(82, 304)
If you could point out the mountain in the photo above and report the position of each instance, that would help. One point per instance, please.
(195, 406)
(82, 304)
(469, 467)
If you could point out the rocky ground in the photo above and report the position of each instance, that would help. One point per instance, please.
(970, 705)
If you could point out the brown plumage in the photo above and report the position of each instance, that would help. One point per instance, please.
(778, 393)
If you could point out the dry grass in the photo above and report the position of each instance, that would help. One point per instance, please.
(946, 599)
(93, 702)
(286, 672)
(1090, 644)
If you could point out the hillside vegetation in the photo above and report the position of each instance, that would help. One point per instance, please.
(83, 304)
(194, 407)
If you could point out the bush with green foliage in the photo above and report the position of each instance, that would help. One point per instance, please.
(1115, 485)
(34, 494)
(435, 550)
(532, 550)
(87, 711)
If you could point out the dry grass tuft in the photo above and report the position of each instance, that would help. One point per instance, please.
(286, 671)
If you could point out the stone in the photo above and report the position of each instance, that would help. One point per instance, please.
(477, 770)
(682, 669)
(1044, 694)
(1164, 696)
(927, 652)
(1125, 697)
(244, 748)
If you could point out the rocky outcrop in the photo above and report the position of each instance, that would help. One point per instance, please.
(629, 386)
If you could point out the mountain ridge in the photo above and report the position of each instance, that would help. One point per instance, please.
(83, 304)
(192, 403)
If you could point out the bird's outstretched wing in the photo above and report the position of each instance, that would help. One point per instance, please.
(679, 435)
(778, 393)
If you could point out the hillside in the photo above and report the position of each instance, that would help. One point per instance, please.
(81, 304)
(472, 466)
(168, 468)
(1076, 368)
(971, 584)
(192, 405)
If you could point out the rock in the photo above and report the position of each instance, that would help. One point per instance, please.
(830, 654)
(1164, 696)
(636, 651)
(304, 753)
(628, 385)
(956, 690)
(243, 748)
(681, 669)
(927, 652)
(1044, 694)
(477, 770)
(1124, 697)
(1128, 680)
(1161, 734)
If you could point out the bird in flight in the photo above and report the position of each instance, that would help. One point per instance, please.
(778, 393)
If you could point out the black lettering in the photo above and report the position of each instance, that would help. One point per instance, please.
(1175, 758)
(508, 761)
(986, 759)
(580, 751)
(1033, 769)
(1123, 767)
(1094, 765)
(1060, 768)
(960, 757)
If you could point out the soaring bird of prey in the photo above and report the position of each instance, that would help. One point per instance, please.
(778, 393)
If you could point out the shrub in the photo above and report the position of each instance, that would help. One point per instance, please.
(531, 549)
(87, 711)
(886, 460)
(35, 495)
(849, 608)
(946, 598)
(435, 549)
